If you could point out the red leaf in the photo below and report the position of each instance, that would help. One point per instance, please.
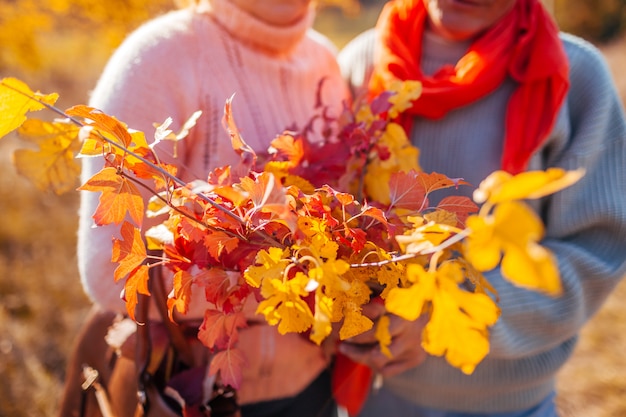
(459, 205)
(406, 191)
(219, 330)
(229, 363)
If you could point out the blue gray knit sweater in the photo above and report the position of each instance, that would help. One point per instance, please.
(585, 227)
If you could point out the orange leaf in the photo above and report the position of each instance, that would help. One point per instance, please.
(219, 330)
(435, 181)
(119, 197)
(288, 147)
(103, 122)
(229, 363)
(219, 242)
(181, 297)
(240, 146)
(137, 283)
(129, 252)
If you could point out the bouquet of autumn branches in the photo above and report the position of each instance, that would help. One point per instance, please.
(310, 231)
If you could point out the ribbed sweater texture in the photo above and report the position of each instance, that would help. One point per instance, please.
(195, 59)
(585, 227)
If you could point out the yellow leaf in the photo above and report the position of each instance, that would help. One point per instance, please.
(409, 303)
(283, 305)
(501, 187)
(512, 232)
(534, 268)
(406, 93)
(17, 99)
(383, 336)
(354, 322)
(322, 320)
(425, 237)
(270, 263)
(402, 158)
(452, 333)
(52, 166)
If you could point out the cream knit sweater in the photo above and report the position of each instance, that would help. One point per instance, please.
(195, 59)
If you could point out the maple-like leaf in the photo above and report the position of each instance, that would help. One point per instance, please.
(409, 303)
(16, 100)
(136, 283)
(52, 166)
(108, 125)
(270, 263)
(455, 332)
(219, 243)
(354, 322)
(269, 196)
(283, 304)
(228, 364)
(180, 296)
(501, 186)
(512, 233)
(461, 206)
(119, 198)
(425, 235)
(459, 319)
(406, 192)
(219, 330)
(129, 251)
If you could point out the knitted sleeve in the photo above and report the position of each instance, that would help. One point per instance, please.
(585, 224)
(140, 67)
(355, 61)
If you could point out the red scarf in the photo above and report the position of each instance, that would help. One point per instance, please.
(523, 45)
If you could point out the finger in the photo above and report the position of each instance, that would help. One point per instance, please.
(358, 353)
(373, 310)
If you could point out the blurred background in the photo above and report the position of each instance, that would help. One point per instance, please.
(61, 46)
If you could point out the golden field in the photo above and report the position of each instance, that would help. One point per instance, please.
(42, 303)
